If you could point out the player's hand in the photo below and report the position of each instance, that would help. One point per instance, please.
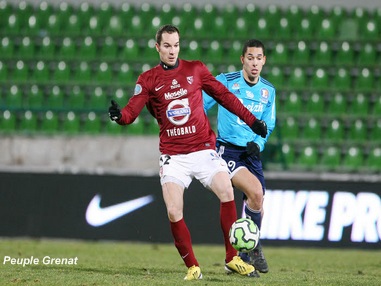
(259, 127)
(252, 149)
(114, 111)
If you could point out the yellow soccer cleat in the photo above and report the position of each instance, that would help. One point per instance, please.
(237, 265)
(194, 273)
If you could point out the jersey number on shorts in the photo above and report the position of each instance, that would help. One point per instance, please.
(164, 160)
(231, 165)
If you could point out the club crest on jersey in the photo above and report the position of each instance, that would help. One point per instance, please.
(138, 89)
(264, 95)
(190, 79)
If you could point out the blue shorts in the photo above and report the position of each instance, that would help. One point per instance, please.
(237, 158)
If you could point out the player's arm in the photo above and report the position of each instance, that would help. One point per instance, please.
(209, 101)
(130, 112)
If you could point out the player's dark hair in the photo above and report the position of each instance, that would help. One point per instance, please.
(166, 29)
(253, 43)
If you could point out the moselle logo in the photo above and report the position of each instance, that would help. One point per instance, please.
(175, 94)
(98, 216)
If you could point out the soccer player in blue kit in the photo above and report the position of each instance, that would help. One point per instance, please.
(238, 145)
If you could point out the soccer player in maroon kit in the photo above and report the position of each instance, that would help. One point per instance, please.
(172, 92)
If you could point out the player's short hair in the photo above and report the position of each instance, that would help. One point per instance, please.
(166, 29)
(253, 43)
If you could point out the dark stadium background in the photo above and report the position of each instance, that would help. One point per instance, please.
(62, 62)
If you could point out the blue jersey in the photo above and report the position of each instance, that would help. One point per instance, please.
(258, 99)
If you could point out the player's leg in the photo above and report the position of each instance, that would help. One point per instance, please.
(174, 181)
(250, 185)
(223, 189)
(221, 186)
(213, 174)
(245, 181)
(173, 198)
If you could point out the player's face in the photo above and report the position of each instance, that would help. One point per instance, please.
(169, 48)
(252, 62)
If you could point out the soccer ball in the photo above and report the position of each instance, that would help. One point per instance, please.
(244, 235)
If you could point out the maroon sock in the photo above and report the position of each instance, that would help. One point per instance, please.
(183, 242)
(228, 215)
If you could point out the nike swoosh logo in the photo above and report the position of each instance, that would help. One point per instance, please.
(158, 88)
(97, 216)
(184, 255)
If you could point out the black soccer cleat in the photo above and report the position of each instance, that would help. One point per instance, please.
(258, 260)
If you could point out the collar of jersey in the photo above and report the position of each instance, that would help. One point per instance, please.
(166, 67)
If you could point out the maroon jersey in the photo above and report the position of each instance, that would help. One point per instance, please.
(174, 98)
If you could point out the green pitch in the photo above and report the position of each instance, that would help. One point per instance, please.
(60, 262)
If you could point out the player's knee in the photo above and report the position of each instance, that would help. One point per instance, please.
(254, 199)
(224, 192)
(174, 214)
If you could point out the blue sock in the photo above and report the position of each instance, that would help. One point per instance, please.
(254, 216)
(244, 256)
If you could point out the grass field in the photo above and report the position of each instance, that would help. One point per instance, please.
(126, 263)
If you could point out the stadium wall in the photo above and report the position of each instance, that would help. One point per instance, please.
(130, 208)
(80, 154)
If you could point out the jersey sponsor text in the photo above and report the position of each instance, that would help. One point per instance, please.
(176, 94)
